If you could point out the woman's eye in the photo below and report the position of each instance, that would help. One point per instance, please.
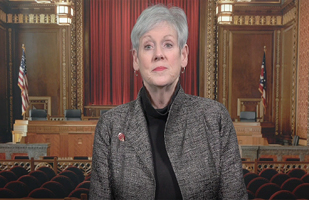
(147, 47)
(168, 45)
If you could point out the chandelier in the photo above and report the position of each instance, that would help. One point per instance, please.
(224, 11)
(65, 12)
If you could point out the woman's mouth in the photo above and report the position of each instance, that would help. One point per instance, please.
(161, 68)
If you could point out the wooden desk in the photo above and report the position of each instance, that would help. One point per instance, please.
(66, 138)
(249, 133)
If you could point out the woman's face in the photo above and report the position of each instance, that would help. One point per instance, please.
(159, 59)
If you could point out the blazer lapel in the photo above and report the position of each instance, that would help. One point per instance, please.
(137, 136)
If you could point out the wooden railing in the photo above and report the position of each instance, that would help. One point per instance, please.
(282, 166)
(58, 165)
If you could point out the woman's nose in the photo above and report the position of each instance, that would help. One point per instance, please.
(158, 55)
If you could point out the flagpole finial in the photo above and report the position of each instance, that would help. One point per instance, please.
(23, 47)
(264, 48)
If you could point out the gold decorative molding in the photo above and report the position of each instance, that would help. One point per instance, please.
(40, 102)
(79, 53)
(225, 45)
(211, 82)
(257, 20)
(290, 15)
(11, 77)
(64, 82)
(73, 77)
(277, 84)
(2, 16)
(294, 70)
(244, 103)
(32, 18)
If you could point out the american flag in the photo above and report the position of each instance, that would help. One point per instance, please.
(262, 87)
(23, 83)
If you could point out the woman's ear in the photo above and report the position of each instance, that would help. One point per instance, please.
(184, 55)
(135, 60)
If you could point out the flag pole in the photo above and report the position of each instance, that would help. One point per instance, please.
(23, 47)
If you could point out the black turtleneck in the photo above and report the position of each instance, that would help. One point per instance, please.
(166, 183)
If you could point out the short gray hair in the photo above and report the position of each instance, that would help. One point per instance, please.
(154, 15)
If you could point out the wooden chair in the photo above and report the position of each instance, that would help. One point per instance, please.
(15, 156)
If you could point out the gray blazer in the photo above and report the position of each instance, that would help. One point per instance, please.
(200, 141)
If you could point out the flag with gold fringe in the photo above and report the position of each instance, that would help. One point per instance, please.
(23, 82)
(262, 86)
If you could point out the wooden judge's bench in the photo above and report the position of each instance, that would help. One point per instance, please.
(253, 133)
(75, 138)
(66, 138)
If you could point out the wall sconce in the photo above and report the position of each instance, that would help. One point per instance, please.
(224, 11)
(64, 10)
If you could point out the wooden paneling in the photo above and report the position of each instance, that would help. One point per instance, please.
(286, 79)
(241, 52)
(4, 108)
(43, 61)
(66, 138)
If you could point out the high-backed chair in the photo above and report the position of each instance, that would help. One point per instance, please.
(78, 172)
(30, 181)
(301, 191)
(267, 190)
(279, 178)
(256, 183)
(247, 116)
(282, 194)
(73, 115)
(56, 188)
(268, 173)
(19, 171)
(102, 112)
(66, 182)
(291, 184)
(37, 114)
(49, 171)
(40, 175)
(297, 173)
(19, 188)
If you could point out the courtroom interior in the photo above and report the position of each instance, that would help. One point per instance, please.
(79, 65)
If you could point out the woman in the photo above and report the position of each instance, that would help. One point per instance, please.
(165, 144)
